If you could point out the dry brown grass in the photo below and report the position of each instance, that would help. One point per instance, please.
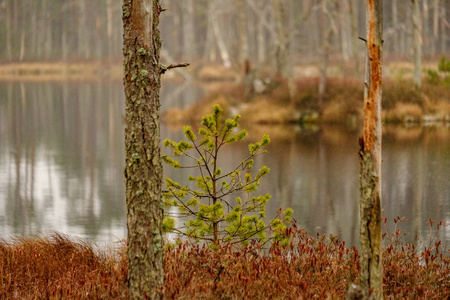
(403, 112)
(342, 103)
(217, 72)
(59, 268)
(309, 268)
(265, 111)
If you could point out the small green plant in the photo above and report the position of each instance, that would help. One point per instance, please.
(433, 76)
(212, 202)
(442, 73)
(444, 65)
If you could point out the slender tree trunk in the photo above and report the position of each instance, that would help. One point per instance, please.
(223, 51)
(83, 46)
(395, 42)
(190, 46)
(426, 32)
(325, 40)
(8, 31)
(417, 34)
(282, 39)
(371, 276)
(143, 169)
(345, 25)
(444, 29)
(242, 31)
(261, 44)
(22, 44)
(109, 29)
(354, 33)
(435, 26)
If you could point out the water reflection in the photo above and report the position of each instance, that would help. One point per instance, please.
(62, 154)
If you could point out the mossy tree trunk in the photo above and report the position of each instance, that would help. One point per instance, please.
(371, 276)
(143, 170)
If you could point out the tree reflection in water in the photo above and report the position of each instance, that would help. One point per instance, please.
(61, 165)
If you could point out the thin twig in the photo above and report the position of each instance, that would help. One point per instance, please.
(163, 69)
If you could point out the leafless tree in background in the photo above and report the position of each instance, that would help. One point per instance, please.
(195, 29)
(417, 37)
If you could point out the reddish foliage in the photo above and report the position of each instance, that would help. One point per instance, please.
(58, 268)
(308, 268)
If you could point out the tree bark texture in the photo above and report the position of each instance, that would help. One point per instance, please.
(143, 170)
(371, 278)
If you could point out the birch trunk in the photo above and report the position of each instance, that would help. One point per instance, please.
(143, 169)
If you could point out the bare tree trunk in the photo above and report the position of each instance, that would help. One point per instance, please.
(395, 41)
(345, 25)
(426, 32)
(282, 39)
(22, 44)
(223, 51)
(143, 169)
(8, 31)
(83, 47)
(325, 40)
(417, 34)
(242, 32)
(109, 28)
(443, 38)
(435, 26)
(190, 50)
(354, 33)
(261, 42)
(371, 276)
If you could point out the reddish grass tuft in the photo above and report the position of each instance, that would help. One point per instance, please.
(58, 268)
(309, 268)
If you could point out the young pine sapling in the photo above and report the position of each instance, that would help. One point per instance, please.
(215, 211)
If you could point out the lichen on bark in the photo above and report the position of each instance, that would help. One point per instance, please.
(370, 230)
(143, 168)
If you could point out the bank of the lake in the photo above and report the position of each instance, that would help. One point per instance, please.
(273, 102)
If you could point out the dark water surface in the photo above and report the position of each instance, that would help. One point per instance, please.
(62, 156)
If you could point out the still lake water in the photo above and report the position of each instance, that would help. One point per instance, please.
(62, 156)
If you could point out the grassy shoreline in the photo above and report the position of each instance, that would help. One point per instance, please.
(275, 103)
(60, 71)
(342, 103)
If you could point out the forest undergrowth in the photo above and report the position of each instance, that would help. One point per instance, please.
(321, 267)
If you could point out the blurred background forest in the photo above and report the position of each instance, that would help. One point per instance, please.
(62, 151)
(267, 32)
